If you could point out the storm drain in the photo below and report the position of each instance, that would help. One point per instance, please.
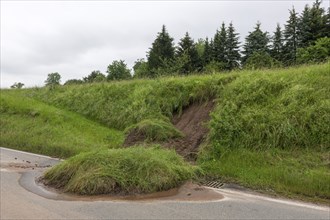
(213, 184)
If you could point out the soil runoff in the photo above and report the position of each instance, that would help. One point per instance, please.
(22, 198)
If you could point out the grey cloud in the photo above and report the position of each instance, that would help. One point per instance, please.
(74, 38)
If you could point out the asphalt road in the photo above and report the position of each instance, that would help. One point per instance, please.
(18, 201)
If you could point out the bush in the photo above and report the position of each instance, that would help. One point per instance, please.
(261, 60)
(317, 53)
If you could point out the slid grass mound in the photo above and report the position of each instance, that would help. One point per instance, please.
(121, 172)
(151, 130)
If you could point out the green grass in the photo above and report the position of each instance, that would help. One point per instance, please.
(275, 109)
(121, 171)
(155, 130)
(302, 174)
(269, 131)
(123, 104)
(26, 124)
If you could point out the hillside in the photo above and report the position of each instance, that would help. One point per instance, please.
(268, 129)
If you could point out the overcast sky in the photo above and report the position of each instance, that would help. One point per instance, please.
(77, 37)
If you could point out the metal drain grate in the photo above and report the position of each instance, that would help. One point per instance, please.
(214, 184)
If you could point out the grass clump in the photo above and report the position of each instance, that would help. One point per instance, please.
(121, 171)
(30, 125)
(154, 130)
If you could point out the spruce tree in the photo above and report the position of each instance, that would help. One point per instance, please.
(290, 35)
(161, 52)
(327, 24)
(187, 47)
(219, 45)
(304, 34)
(277, 44)
(207, 55)
(256, 42)
(312, 25)
(317, 21)
(212, 54)
(232, 48)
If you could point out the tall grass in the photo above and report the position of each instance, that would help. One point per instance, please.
(276, 109)
(122, 104)
(299, 173)
(270, 129)
(121, 171)
(30, 125)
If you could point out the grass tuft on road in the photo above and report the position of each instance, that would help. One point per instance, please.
(121, 171)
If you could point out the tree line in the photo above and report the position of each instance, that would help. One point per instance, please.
(305, 38)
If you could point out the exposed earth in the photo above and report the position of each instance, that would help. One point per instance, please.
(192, 122)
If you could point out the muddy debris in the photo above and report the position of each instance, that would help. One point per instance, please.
(192, 122)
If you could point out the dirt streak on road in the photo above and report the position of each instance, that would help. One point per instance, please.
(18, 201)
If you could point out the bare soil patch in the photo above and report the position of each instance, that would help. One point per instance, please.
(192, 122)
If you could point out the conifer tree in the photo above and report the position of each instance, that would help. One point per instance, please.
(256, 41)
(312, 25)
(290, 35)
(277, 44)
(327, 24)
(212, 49)
(304, 34)
(162, 51)
(207, 55)
(317, 21)
(232, 48)
(219, 45)
(187, 48)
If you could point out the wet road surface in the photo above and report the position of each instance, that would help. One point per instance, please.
(21, 200)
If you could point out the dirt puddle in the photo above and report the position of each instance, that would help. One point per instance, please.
(187, 192)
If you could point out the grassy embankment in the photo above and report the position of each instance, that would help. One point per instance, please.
(30, 125)
(270, 129)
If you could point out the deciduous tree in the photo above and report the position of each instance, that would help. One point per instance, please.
(118, 70)
(53, 79)
(17, 85)
(95, 76)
